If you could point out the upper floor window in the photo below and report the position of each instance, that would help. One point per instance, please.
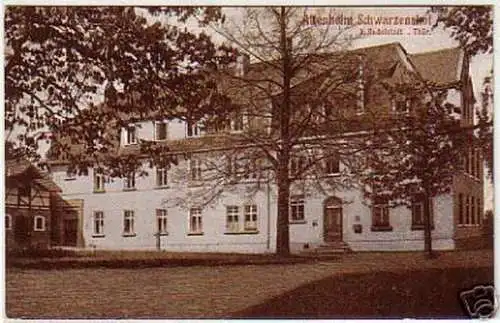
(401, 105)
(131, 135)
(99, 180)
(237, 122)
(195, 169)
(297, 164)
(129, 181)
(39, 223)
(161, 177)
(297, 208)
(360, 94)
(160, 130)
(332, 165)
(193, 129)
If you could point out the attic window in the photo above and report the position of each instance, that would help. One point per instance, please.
(131, 135)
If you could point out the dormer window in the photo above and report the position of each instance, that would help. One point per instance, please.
(160, 130)
(401, 105)
(131, 135)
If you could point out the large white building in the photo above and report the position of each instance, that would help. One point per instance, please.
(161, 210)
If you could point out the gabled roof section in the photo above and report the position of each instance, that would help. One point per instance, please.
(19, 169)
(442, 67)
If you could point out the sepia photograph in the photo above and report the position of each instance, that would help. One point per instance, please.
(248, 162)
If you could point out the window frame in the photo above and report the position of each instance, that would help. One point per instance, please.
(8, 222)
(156, 132)
(250, 217)
(195, 170)
(129, 182)
(196, 214)
(98, 224)
(128, 215)
(382, 223)
(297, 207)
(99, 178)
(43, 227)
(161, 221)
(232, 219)
(161, 177)
(131, 134)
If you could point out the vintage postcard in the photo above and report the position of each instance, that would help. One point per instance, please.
(223, 162)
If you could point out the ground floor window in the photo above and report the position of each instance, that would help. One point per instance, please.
(195, 221)
(128, 223)
(232, 219)
(417, 213)
(250, 217)
(297, 208)
(161, 221)
(380, 216)
(8, 222)
(39, 223)
(99, 223)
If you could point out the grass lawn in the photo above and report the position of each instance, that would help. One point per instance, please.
(429, 293)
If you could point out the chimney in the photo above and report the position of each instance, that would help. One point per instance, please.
(242, 64)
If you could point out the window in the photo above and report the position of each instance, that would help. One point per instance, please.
(99, 180)
(8, 222)
(98, 223)
(39, 223)
(417, 213)
(128, 223)
(195, 223)
(131, 133)
(297, 164)
(472, 210)
(380, 215)
(467, 210)
(237, 122)
(160, 130)
(195, 169)
(478, 164)
(461, 209)
(332, 165)
(478, 210)
(360, 102)
(193, 129)
(250, 217)
(161, 177)
(250, 168)
(161, 221)
(129, 181)
(232, 219)
(297, 208)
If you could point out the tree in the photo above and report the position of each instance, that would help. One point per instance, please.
(61, 60)
(417, 156)
(296, 102)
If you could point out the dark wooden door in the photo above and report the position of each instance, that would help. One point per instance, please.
(70, 232)
(333, 224)
(22, 230)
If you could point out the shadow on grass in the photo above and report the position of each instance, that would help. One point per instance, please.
(430, 293)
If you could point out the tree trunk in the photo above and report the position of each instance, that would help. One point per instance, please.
(283, 234)
(427, 227)
(283, 178)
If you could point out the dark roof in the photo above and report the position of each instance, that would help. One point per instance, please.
(15, 169)
(441, 66)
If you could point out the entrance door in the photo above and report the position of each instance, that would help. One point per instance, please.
(70, 232)
(22, 230)
(332, 222)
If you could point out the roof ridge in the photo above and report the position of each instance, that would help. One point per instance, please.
(435, 51)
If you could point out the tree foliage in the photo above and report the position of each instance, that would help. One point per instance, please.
(60, 60)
